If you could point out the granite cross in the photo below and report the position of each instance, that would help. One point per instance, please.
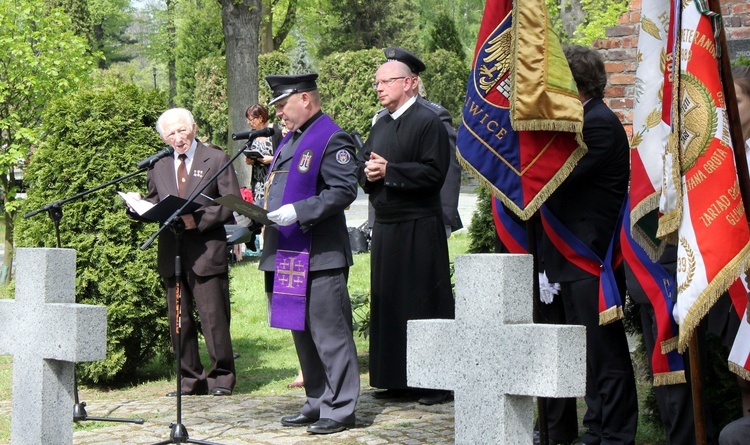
(46, 332)
(492, 356)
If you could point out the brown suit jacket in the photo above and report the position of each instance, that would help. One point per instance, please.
(202, 250)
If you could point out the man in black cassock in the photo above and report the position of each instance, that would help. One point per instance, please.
(402, 166)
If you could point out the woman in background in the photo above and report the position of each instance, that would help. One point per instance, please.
(261, 151)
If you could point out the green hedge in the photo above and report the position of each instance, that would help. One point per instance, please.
(90, 139)
(345, 87)
(346, 92)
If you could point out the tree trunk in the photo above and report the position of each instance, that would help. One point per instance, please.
(266, 27)
(171, 38)
(571, 15)
(241, 23)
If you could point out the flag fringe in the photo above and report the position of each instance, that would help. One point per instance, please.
(739, 370)
(669, 345)
(533, 206)
(546, 125)
(669, 378)
(643, 208)
(611, 315)
(711, 293)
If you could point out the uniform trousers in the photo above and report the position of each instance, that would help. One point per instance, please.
(326, 350)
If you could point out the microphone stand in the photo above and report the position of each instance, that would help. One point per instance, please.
(55, 212)
(179, 433)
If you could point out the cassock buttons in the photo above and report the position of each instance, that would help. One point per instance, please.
(387, 183)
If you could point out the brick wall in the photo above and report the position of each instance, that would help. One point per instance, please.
(620, 47)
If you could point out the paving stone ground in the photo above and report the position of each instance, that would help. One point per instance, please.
(243, 419)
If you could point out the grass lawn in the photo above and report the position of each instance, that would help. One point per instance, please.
(267, 361)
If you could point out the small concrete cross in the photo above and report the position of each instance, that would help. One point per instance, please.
(492, 356)
(46, 332)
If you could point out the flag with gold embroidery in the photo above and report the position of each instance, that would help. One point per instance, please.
(522, 119)
(652, 102)
(707, 214)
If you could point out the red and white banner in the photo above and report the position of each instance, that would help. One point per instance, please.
(708, 217)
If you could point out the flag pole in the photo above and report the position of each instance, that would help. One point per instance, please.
(697, 390)
(541, 402)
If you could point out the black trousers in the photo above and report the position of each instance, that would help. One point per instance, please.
(612, 405)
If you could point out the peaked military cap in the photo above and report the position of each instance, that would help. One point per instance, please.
(401, 55)
(283, 86)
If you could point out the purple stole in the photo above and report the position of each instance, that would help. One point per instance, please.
(289, 299)
(579, 254)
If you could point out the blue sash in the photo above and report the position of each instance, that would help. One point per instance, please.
(579, 254)
(667, 364)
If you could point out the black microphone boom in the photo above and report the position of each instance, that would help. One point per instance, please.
(263, 132)
(151, 160)
(358, 144)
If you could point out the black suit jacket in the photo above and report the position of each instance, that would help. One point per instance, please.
(203, 250)
(588, 202)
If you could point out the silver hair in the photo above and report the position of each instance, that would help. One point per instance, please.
(174, 112)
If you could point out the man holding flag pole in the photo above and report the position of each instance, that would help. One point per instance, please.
(522, 137)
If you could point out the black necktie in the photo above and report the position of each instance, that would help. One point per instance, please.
(182, 175)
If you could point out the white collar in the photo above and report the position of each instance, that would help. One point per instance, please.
(402, 109)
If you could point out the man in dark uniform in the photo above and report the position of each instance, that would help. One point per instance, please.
(203, 251)
(307, 254)
(402, 167)
(452, 186)
(588, 204)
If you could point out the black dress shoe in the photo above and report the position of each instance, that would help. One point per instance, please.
(435, 397)
(219, 391)
(327, 426)
(297, 420)
(390, 394)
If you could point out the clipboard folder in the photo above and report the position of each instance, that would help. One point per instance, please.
(245, 208)
(161, 211)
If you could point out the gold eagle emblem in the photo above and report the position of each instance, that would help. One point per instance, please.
(497, 62)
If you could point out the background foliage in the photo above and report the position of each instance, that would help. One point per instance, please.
(93, 137)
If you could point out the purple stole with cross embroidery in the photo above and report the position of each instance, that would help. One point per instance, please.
(289, 299)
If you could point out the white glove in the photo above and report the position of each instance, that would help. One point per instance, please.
(284, 216)
(547, 290)
(242, 220)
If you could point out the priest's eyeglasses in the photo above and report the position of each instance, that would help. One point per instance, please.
(386, 82)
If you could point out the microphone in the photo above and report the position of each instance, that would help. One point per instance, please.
(358, 144)
(151, 160)
(263, 132)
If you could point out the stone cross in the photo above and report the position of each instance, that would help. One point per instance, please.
(46, 332)
(492, 356)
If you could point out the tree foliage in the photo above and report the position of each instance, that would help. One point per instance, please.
(445, 81)
(345, 86)
(198, 36)
(352, 25)
(482, 230)
(445, 36)
(597, 16)
(92, 138)
(42, 60)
